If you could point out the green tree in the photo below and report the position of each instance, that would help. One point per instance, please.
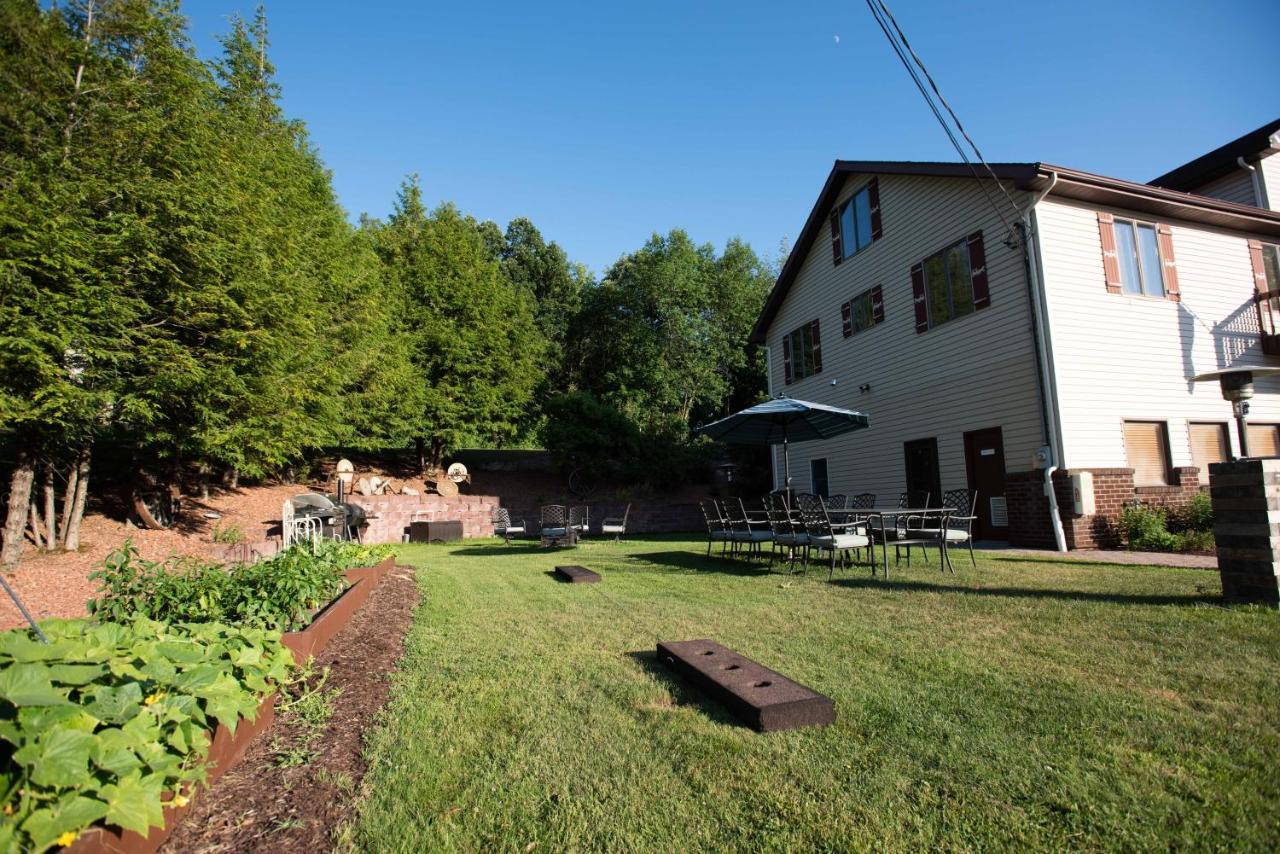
(473, 339)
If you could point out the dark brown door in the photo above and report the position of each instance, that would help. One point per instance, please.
(984, 459)
(923, 480)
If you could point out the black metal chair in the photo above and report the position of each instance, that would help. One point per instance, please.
(616, 525)
(787, 535)
(578, 521)
(717, 528)
(862, 501)
(553, 527)
(824, 536)
(959, 525)
(504, 527)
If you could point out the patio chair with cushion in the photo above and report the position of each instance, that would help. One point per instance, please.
(578, 521)
(717, 528)
(862, 501)
(839, 501)
(553, 527)
(824, 536)
(787, 535)
(750, 528)
(960, 524)
(504, 527)
(616, 525)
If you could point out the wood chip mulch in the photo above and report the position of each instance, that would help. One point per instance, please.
(260, 805)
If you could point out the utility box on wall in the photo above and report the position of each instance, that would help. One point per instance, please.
(1082, 502)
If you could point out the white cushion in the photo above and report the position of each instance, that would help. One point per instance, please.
(613, 529)
(513, 529)
(840, 542)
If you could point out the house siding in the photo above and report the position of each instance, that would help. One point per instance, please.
(1119, 357)
(971, 373)
(1236, 186)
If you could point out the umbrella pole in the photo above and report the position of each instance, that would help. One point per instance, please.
(786, 464)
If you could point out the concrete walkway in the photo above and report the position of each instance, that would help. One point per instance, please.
(1105, 556)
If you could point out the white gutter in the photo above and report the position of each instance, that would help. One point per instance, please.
(1259, 189)
(1040, 312)
(768, 379)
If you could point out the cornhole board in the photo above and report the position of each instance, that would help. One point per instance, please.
(763, 699)
(577, 575)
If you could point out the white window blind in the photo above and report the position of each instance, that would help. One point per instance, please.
(1209, 444)
(1146, 445)
(1264, 440)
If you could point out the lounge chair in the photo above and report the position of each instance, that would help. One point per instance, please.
(616, 525)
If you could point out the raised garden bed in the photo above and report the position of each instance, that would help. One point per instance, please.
(226, 749)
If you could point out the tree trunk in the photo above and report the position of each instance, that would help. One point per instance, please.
(50, 507)
(19, 499)
(69, 497)
(71, 529)
(437, 453)
(37, 525)
(204, 481)
(420, 447)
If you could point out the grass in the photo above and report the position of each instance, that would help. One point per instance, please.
(1020, 704)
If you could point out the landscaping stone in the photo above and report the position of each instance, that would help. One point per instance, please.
(577, 575)
(762, 698)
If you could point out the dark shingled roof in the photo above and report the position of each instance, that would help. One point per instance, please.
(1265, 140)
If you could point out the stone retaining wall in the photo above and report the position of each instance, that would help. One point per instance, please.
(390, 515)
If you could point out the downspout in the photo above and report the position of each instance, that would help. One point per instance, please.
(1259, 191)
(768, 379)
(1043, 360)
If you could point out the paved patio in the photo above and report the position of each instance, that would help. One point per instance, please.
(1190, 561)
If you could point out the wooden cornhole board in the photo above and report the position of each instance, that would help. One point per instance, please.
(577, 575)
(763, 699)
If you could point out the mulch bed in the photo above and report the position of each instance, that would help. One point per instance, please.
(261, 805)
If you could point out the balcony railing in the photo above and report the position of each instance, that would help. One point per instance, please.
(1268, 306)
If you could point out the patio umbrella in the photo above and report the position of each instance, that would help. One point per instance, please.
(785, 420)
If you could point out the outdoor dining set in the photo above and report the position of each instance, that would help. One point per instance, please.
(841, 527)
(558, 524)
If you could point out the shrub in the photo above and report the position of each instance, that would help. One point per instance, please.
(1144, 528)
(106, 719)
(1183, 529)
(281, 593)
(229, 534)
(1196, 515)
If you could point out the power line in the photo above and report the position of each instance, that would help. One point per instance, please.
(898, 48)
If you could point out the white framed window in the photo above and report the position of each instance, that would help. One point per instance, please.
(1138, 254)
(1146, 446)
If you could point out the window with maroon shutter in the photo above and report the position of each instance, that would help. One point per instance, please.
(917, 297)
(1110, 263)
(864, 311)
(802, 352)
(978, 271)
(1141, 258)
(846, 319)
(1265, 260)
(877, 226)
(837, 250)
(951, 283)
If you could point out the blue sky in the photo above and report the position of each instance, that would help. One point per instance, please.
(604, 122)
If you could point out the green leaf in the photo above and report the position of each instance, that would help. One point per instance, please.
(20, 648)
(116, 705)
(63, 760)
(76, 674)
(29, 685)
(71, 813)
(134, 802)
(37, 719)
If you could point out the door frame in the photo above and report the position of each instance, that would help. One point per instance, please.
(985, 530)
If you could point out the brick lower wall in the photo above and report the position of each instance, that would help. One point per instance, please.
(1029, 523)
(389, 515)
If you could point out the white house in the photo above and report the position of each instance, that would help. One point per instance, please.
(1005, 332)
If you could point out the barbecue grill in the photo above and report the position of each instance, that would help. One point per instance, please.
(338, 519)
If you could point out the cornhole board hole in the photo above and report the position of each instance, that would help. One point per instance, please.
(763, 699)
(577, 575)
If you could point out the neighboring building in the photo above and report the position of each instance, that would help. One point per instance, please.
(983, 358)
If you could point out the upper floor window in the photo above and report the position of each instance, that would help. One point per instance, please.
(1266, 265)
(855, 225)
(1137, 257)
(951, 283)
(863, 311)
(802, 352)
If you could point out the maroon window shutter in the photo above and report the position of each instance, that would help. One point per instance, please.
(786, 359)
(1110, 258)
(817, 349)
(917, 296)
(1164, 240)
(873, 193)
(1259, 267)
(877, 305)
(978, 271)
(846, 319)
(837, 245)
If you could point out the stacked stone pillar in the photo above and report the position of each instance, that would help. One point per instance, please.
(1246, 527)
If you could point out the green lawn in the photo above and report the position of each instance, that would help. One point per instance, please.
(1023, 703)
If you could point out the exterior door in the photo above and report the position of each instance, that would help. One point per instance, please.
(984, 459)
(922, 471)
